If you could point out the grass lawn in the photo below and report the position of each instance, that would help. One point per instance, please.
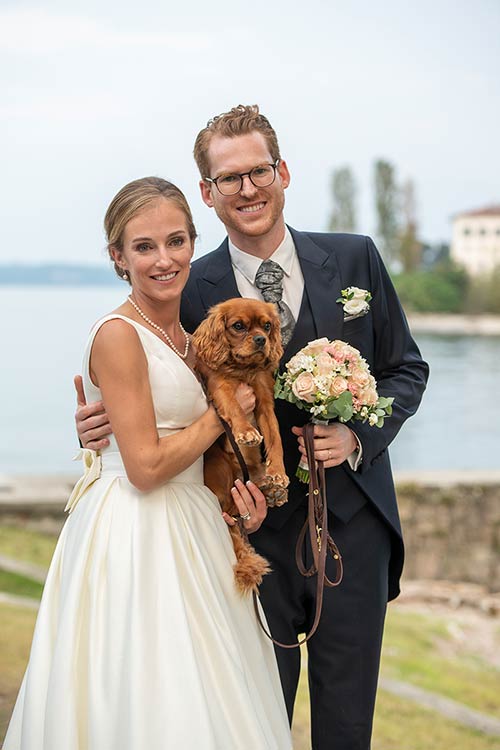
(439, 652)
(14, 583)
(16, 631)
(424, 649)
(402, 725)
(29, 546)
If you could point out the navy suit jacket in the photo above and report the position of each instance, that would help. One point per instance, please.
(330, 263)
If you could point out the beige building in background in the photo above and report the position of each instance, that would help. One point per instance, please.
(475, 243)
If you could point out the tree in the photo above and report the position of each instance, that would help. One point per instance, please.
(410, 248)
(343, 216)
(387, 210)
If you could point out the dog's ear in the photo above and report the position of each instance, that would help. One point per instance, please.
(210, 339)
(276, 346)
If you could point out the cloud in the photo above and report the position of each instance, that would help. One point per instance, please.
(34, 31)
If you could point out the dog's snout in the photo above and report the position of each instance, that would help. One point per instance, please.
(259, 341)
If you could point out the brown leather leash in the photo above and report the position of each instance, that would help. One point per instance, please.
(236, 449)
(317, 524)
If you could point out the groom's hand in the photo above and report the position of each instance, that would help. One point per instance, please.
(333, 443)
(91, 420)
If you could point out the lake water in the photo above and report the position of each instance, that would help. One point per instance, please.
(44, 329)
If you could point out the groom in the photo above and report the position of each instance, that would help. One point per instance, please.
(243, 178)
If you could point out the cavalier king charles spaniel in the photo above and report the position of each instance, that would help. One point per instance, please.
(240, 342)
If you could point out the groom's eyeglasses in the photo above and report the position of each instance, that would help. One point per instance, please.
(261, 176)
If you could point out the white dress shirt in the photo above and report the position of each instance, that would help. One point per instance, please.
(245, 267)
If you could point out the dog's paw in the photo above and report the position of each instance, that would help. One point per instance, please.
(274, 488)
(249, 437)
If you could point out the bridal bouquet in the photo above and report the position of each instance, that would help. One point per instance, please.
(331, 380)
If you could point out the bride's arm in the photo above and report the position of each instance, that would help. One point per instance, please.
(118, 367)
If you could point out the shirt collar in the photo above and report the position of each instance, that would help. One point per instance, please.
(248, 265)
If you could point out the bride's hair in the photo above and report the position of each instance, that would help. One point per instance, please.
(131, 199)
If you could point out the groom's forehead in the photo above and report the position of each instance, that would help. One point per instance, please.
(238, 153)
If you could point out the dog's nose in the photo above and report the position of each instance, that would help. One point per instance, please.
(259, 341)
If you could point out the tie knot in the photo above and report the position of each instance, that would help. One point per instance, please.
(269, 279)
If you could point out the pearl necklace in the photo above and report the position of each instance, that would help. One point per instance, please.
(163, 333)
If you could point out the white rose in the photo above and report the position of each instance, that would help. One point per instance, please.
(373, 419)
(357, 302)
(357, 293)
(354, 306)
(300, 362)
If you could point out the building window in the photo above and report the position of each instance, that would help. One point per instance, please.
(482, 231)
(467, 231)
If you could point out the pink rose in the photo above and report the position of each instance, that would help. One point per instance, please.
(360, 377)
(339, 385)
(354, 388)
(304, 387)
(316, 346)
(370, 396)
(338, 350)
(324, 363)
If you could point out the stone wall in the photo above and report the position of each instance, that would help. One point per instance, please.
(451, 521)
(452, 531)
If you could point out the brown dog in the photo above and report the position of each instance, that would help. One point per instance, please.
(239, 342)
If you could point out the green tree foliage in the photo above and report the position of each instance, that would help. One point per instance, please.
(387, 211)
(447, 288)
(441, 289)
(343, 216)
(483, 294)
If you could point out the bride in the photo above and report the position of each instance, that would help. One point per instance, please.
(142, 641)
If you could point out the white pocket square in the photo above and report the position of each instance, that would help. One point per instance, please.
(347, 318)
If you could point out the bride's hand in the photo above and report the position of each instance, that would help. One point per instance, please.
(245, 396)
(250, 501)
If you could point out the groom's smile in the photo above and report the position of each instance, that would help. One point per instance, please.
(253, 211)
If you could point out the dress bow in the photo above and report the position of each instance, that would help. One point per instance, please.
(91, 472)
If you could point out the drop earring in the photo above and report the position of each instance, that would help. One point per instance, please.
(125, 276)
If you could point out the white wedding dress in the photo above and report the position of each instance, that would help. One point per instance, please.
(142, 641)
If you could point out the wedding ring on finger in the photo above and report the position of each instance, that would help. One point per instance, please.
(329, 455)
(246, 517)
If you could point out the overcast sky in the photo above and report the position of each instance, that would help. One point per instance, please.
(95, 94)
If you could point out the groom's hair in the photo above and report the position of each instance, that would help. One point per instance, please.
(240, 120)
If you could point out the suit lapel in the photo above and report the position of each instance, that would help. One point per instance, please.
(218, 283)
(322, 282)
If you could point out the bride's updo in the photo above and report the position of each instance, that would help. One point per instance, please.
(131, 199)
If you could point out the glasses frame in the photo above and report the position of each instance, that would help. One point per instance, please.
(241, 175)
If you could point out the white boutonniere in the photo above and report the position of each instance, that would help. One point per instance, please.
(355, 302)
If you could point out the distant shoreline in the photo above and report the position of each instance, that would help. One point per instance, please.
(73, 277)
(453, 324)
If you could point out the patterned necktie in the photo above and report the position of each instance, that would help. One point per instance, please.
(269, 279)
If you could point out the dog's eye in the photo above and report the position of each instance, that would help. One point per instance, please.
(238, 326)
(267, 326)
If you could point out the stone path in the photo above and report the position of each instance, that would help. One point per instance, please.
(19, 601)
(445, 706)
(35, 572)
